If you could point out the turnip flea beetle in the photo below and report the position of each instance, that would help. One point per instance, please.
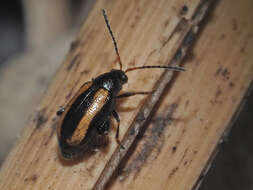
(88, 113)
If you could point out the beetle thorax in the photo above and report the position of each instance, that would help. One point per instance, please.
(112, 81)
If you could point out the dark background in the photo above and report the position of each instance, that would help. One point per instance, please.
(11, 29)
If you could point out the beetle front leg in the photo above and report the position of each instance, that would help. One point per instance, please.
(60, 111)
(127, 94)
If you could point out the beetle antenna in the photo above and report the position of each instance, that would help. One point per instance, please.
(175, 68)
(113, 38)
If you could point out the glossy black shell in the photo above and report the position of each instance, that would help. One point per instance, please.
(112, 82)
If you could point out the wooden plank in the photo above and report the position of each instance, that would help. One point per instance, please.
(193, 115)
(189, 120)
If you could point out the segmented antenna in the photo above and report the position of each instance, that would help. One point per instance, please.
(113, 38)
(175, 68)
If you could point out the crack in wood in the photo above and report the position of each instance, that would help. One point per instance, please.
(118, 155)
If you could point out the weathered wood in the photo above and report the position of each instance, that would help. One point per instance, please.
(186, 125)
(24, 80)
(188, 30)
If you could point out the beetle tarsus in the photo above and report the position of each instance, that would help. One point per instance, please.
(60, 111)
(122, 148)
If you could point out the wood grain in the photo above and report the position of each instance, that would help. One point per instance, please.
(185, 126)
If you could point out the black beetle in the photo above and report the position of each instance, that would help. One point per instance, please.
(88, 113)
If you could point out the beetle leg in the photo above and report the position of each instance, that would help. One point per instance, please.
(104, 128)
(60, 111)
(116, 116)
(127, 94)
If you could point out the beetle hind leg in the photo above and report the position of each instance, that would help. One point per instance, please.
(116, 116)
(104, 128)
(101, 139)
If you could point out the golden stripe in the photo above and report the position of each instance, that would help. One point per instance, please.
(99, 101)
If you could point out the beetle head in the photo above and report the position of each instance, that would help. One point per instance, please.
(120, 75)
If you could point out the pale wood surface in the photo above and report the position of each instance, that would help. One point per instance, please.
(189, 120)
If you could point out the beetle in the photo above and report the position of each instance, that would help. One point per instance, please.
(88, 113)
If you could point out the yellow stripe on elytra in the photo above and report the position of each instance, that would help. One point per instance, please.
(99, 101)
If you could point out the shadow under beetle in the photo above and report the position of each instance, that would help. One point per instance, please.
(88, 112)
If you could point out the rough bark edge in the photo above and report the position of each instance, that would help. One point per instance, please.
(223, 138)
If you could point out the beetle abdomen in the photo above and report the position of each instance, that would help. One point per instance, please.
(81, 119)
(99, 100)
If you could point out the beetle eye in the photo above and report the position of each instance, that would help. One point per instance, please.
(124, 78)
